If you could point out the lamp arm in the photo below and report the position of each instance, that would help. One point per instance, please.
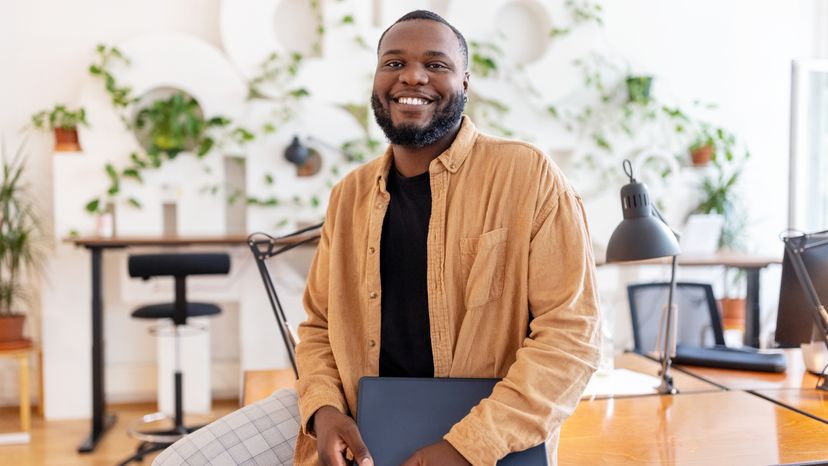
(263, 247)
(669, 348)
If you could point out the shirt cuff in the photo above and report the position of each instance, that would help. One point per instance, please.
(309, 404)
(475, 444)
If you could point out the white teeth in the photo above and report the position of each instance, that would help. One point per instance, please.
(412, 101)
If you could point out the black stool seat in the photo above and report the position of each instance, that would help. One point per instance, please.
(166, 310)
(179, 264)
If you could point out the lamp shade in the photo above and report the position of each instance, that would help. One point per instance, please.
(297, 153)
(642, 234)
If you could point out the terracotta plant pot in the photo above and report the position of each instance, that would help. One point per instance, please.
(701, 156)
(11, 328)
(733, 313)
(66, 140)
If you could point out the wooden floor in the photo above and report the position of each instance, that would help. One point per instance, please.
(54, 442)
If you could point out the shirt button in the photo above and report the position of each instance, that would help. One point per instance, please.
(452, 166)
(371, 250)
(372, 295)
(379, 205)
(372, 343)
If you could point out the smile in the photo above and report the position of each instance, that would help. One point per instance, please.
(412, 101)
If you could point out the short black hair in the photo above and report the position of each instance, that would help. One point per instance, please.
(431, 16)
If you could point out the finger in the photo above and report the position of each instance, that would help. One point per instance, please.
(332, 455)
(353, 438)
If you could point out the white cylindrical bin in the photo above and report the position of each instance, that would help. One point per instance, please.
(194, 346)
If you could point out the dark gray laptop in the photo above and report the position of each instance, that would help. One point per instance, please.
(397, 416)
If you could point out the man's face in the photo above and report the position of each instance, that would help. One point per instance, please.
(419, 84)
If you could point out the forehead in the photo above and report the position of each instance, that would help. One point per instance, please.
(419, 36)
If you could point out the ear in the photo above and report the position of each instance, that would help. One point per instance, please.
(466, 77)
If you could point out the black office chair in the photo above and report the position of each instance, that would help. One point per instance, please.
(699, 323)
(178, 266)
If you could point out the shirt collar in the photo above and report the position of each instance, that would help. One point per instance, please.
(451, 159)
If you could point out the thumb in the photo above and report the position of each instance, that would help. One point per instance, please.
(354, 440)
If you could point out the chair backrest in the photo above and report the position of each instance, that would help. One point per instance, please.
(699, 322)
(178, 264)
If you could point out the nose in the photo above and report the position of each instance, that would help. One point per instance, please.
(413, 75)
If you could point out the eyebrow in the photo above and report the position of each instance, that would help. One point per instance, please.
(428, 53)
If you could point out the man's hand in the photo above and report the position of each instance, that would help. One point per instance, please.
(437, 454)
(336, 432)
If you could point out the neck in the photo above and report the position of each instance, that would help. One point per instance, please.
(411, 161)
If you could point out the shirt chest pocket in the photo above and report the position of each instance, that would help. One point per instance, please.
(484, 263)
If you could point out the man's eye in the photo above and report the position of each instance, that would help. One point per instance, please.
(393, 64)
(437, 66)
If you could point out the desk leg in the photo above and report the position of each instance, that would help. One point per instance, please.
(752, 314)
(100, 420)
(25, 408)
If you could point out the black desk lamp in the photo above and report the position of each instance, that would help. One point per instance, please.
(644, 234)
(263, 247)
(796, 246)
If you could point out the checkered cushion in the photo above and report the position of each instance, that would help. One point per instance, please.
(262, 434)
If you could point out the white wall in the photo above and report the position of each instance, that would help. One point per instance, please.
(736, 54)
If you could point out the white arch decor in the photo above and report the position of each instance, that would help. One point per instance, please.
(522, 28)
(156, 60)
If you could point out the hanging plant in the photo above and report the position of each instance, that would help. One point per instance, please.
(175, 125)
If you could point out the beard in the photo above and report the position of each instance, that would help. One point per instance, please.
(414, 136)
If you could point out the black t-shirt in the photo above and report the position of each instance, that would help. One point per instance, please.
(405, 348)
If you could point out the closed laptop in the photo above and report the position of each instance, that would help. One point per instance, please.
(397, 416)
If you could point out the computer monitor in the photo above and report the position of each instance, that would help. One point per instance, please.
(794, 319)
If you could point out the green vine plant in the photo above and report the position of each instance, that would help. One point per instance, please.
(168, 127)
(60, 116)
(106, 56)
(581, 12)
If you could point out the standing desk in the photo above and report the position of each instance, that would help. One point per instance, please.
(101, 421)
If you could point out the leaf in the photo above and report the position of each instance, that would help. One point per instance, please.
(133, 173)
(205, 146)
(134, 202)
(268, 179)
(92, 206)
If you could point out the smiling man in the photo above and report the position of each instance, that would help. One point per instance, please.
(456, 254)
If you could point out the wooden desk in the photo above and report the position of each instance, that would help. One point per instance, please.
(795, 388)
(751, 264)
(101, 421)
(725, 427)
(795, 376)
(685, 382)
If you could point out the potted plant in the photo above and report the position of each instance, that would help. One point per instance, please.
(733, 304)
(719, 197)
(20, 236)
(64, 122)
(701, 150)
